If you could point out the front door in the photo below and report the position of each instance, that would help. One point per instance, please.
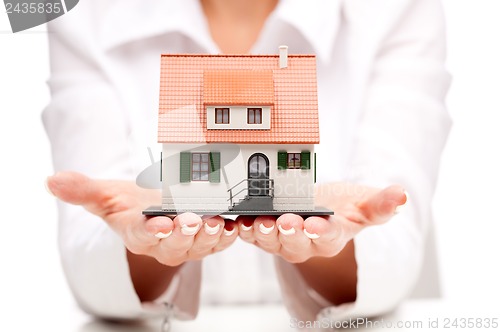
(258, 174)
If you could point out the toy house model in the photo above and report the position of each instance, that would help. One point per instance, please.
(238, 134)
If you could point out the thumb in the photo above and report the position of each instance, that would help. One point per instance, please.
(76, 188)
(381, 206)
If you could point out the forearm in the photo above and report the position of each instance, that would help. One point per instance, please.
(150, 278)
(334, 278)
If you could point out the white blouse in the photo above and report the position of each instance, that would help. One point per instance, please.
(381, 86)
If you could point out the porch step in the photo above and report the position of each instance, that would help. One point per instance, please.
(254, 203)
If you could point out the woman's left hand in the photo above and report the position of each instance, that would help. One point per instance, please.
(297, 240)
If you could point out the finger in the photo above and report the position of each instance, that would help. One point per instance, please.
(186, 226)
(245, 228)
(381, 206)
(265, 233)
(291, 235)
(76, 188)
(329, 235)
(321, 229)
(229, 235)
(143, 233)
(296, 247)
(207, 237)
(63, 185)
(160, 227)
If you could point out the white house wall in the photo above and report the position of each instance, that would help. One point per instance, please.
(293, 188)
(238, 118)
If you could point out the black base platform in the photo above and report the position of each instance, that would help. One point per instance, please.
(158, 211)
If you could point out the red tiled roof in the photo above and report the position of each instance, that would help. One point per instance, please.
(182, 115)
(238, 87)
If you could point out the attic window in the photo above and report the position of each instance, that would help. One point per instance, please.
(222, 115)
(254, 115)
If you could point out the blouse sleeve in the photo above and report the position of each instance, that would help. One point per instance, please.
(89, 133)
(401, 133)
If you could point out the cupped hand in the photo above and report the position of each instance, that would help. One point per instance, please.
(171, 241)
(296, 239)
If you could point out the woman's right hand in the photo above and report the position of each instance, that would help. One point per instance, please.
(171, 241)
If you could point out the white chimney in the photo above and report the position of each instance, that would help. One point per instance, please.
(283, 56)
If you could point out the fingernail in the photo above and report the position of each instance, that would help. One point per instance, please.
(312, 236)
(283, 231)
(211, 230)
(400, 207)
(266, 230)
(229, 233)
(46, 184)
(162, 235)
(246, 228)
(190, 230)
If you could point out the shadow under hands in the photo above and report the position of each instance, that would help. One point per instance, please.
(98, 325)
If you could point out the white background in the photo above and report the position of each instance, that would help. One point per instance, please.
(466, 202)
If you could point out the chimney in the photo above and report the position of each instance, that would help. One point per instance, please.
(283, 56)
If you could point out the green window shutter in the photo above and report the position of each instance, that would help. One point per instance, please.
(214, 175)
(314, 167)
(305, 160)
(185, 167)
(161, 166)
(282, 160)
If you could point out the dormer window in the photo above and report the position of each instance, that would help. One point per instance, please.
(222, 115)
(254, 115)
(238, 117)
